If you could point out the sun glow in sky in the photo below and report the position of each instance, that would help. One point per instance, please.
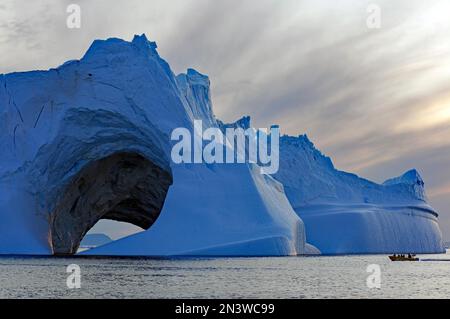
(432, 115)
(438, 114)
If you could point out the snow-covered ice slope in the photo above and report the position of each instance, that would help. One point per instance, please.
(344, 213)
(83, 141)
(219, 210)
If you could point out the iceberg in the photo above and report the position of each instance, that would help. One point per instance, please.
(90, 140)
(346, 214)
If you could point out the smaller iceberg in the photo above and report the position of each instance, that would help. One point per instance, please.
(346, 214)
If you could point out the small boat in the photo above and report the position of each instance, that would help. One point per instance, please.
(403, 258)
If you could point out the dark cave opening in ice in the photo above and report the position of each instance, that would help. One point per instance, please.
(124, 187)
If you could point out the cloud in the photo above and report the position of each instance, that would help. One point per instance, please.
(440, 191)
(375, 100)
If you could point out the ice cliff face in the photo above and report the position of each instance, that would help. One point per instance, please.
(90, 140)
(195, 88)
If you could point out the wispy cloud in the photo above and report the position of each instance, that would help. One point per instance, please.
(440, 191)
(376, 100)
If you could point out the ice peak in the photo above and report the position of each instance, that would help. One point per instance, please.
(115, 46)
(243, 122)
(412, 181)
(140, 38)
(196, 78)
(411, 177)
(195, 88)
(305, 150)
(99, 45)
(303, 138)
(143, 42)
(193, 78)
(300, 140)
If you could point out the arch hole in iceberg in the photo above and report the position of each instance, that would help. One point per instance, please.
(124, 187)
(106, 231)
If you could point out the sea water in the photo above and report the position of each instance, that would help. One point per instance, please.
(284, 277)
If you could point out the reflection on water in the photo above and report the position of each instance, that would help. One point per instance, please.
(286, 277)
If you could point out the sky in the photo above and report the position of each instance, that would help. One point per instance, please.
(376, 100)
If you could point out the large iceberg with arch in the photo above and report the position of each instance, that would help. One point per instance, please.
(90, 140)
